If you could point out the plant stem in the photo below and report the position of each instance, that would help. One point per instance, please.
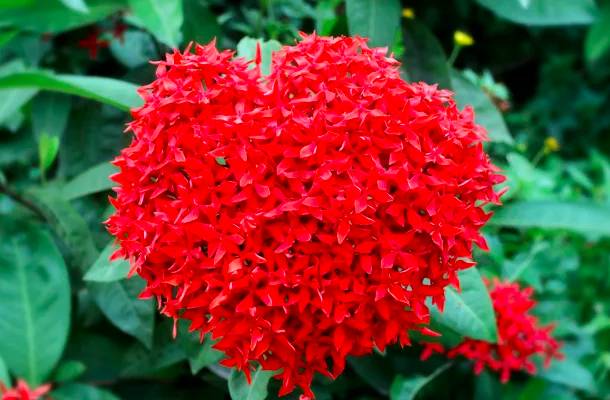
(454, 54)
(17, 197)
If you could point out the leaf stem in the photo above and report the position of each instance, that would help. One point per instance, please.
(17, 197)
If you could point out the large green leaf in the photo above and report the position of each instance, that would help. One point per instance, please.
(377, 20)
(597, 42)
(406, 388)
(81, 391)
(34, 300)
(582, 217)
(161, 17)
(200, 23)
(51, 16)
(486, 113)
(569, 373)
(94, 180)
(104, 270)
(11, 100)
(543, 12)
(200, 355)
(119, 302)
(50, 113)
(374, 370)
(239, 389)
(424, 58)
(117, 93)
(326, 16)
(4, 376)
(247, 48)
(468, 312)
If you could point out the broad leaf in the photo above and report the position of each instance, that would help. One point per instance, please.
(136, 48)
(374, 370)
(94, 180)
(239, 389)
(34, 300)
(69, 371)
(543, 12)
(468, 312)
(104, 270)
(326, 16)
(200, 24)
(76, 5)
(161, 17)
(81, 391)
(50, 113)
(424, 58)
(117, 93)
(5, 379)
(377, 20)
(582, 217)
(247, 48)
(486, 113)
(597, 42)
(569, 373)
(200, 354)
(11, 100)
(406, 388)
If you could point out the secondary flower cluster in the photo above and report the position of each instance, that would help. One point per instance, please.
(22, 392)
(520, 338)
(301, 217)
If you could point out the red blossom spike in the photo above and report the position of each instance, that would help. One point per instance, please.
(23, 392)
(340, 189)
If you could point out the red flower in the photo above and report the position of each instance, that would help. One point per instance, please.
(519, 336)
(93, 43)
(23, 392)
(118, 31)
(302, 217)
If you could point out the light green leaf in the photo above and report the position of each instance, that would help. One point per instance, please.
(543, 12)
(76, 5)
(486, 113)
(597, 42)
(104, 270)
(570, 373)
(69, 371)
(582, 217)
(246, 48)
(4, 376)
(51, 16)
(470, 312)
(34, 300)
(117, 93)
(424, 58)
(377, 20)
(326, 16)
(200, 24)
(50, 113)
(81, 391)
(48, 146)
(95, 179)
(119, 302)
(11, 100)
(239, 389)
(406, 388)
(161, 17)
(7, 36)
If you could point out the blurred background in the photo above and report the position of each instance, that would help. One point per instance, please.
(536, 71)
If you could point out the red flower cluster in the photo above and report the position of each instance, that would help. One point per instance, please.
(22, 392)
(302, 217)
(519, 336)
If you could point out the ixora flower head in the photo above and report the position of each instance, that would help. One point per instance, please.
(301, 217)
(23, 392)
(520, 338)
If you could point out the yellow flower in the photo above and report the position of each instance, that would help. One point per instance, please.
(462, 39)
(551, 145)
(408, 13)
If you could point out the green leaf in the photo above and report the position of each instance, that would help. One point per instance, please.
(34, 300)
(543, 12)
(104, 270)
(200, 24)
(374, 370)
(200, 355)
(486, 113)
(407, 388)
(48, 146)
(424, 58)
(135, 49)
(470, 312)
(597, 42)
(95, 179)
(69, 371)
(570, 373)
(76, 5)
(239, 389)
(119, 302)
(117, 93)
(51, 16)
(326, 16)
(161, 17)
(50, 113)
(582, 217)
(377, 20)
(7, 36)
(4, 376)
(81, 391)
(11, 100)
(246, 48)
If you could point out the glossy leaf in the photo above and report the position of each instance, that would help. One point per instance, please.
(117, 93)
(543, 12)
(424, 58)
(377, 20)
(104, 270)
(406, 388)
(468, 312)
(95, 179)
(247, 48)
(239, 389)
(597, 42)
(81, 391)
(34, 300)
(161, 17)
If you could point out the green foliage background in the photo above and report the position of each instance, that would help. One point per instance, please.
(538, 76)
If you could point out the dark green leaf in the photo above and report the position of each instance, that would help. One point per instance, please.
(326, 16)
(406, 388)
(374, 370)
(81, 391)
(543, 12)
(486, 113)
(468, 312)
(377, 20)
(135, 49)
(247, 48)
(597, 42)
(569, 373)
(4, 376)
(200, 355)
(94, 180)
(69, 371)
(424, 58)
(200, 24)
(34, 300)
(104, 270)
(161, 17)
(50, 113)
(239, 389)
